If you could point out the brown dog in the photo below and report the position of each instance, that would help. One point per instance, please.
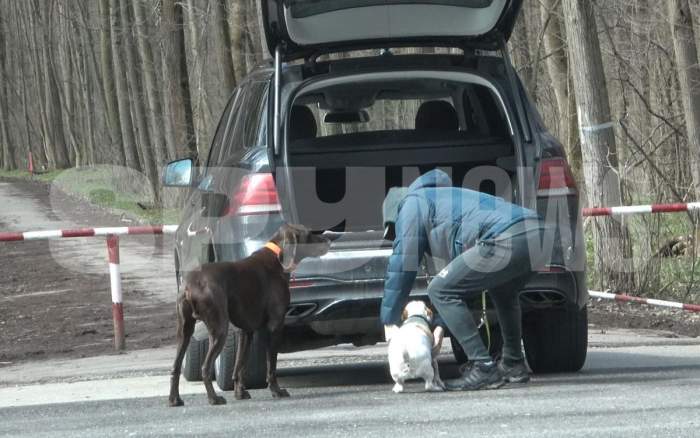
(252, 294)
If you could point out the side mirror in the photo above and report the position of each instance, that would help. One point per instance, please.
(179, 173)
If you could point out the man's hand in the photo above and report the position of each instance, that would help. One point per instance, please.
(438, 335)
(390, 331)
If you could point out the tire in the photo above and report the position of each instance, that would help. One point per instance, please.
(495, 348)
(556, 340)
(256, 369)
(194, 359)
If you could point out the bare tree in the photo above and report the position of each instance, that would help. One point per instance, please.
(558, 68)
(177, 101)
(8, 151)
(237, 16)
(597, 142)
(154, 107)
(137, 102)
(689, 78)
(122, 92)
(108, 83)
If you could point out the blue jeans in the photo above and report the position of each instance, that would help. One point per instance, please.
(502, 265)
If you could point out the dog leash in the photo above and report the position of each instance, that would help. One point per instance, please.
(485, 321)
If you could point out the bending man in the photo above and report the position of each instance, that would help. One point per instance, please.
(488, 243)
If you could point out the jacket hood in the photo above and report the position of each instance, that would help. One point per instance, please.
(434, 178)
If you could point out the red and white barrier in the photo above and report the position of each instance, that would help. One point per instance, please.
(640, 209)
(649, 301)
(115, 279)
(87, 232)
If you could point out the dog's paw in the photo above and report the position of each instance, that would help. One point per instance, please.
(242, 395)
(434, 388)
(217, 400)
(280, 393)
(397, 388)
(175, 402)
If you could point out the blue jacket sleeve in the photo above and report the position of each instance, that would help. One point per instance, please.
(409, 246)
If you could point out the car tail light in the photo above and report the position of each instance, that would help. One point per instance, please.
(556, 178)
(256, 195)
(299, 284)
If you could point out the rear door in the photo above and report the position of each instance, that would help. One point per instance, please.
(303, 27)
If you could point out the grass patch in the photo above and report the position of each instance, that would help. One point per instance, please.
(120, 190)
(673, 278)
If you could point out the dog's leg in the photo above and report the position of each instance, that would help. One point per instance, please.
(273, 346)
(242, 346)
(437, 381)
(185, 328)
(427, 373)
(398, 387)
(217, 339)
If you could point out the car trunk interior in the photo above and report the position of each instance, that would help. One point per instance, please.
(349, 144)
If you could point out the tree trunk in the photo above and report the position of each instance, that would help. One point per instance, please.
(8, 150)
(558, 69)
(266, 55)
(222, 41)
(39, 156)
(237, 24)
(598, 148)
(52, 101)
(127, 128)
(154, 107)
(177, 102)
(689, 78)
(108, 85)
(137, 101)
(65, 73)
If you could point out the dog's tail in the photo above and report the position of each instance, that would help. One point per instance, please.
(193, 303)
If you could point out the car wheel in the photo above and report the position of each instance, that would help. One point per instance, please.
(256, 369)
(556, 340)
(194, 359)
(495, 346)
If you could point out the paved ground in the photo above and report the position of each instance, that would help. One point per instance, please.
(634, 384)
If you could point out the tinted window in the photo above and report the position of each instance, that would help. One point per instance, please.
(224, 125)
(248, 121)
(306, 8)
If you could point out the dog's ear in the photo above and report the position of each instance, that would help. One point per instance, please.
(404, 314)
(429, 312)
(289, 247)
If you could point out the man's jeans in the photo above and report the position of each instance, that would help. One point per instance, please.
(502, 264)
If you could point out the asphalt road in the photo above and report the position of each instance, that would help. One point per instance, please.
(634, 384)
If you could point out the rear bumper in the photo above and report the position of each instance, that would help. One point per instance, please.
(342, 308)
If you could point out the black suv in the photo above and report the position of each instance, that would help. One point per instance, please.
(364, 96)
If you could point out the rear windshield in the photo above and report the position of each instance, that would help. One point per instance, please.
(399, 108)
(307, 8)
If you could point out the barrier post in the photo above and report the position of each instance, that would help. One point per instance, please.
(116, 287)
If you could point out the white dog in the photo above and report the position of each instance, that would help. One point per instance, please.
(411, 349)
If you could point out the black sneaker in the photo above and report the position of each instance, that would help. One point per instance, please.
(515, 373)
(481, 375)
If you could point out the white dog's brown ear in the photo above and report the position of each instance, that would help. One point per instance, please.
(404, 315)
(429, 311)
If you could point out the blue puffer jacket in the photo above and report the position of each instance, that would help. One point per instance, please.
(438, 219)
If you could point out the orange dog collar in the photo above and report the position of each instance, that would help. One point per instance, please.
(274, 248)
